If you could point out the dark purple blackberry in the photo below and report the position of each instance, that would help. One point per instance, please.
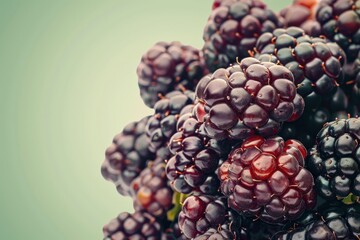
(151, 191)
(127, 156)
(315, 63)
(162, 125)
(331, 223)
(139, 226)
(173, 233)
(266, 178)
(250, 98)
(195, 159)
(335, 160)
(340, 23)
(233, 28)
(218, 234)
(167, 67)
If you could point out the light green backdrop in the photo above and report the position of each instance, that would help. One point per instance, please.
(68, 84)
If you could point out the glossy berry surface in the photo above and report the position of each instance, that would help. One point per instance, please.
(162, 125)
(127, 156)
(250, 98)
(266, 178)
(335, 160)
(136, 226)
(232, 30)
(166, 67)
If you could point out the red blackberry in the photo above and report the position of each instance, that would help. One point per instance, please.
(127, 156)
(167, 67)
(250, 98)
(162, 125)
(340, 22)
(335, 160)
(151, 191)
(267, 178)
(331, 223)
(139, 226)
(232, 30)
(315, 63)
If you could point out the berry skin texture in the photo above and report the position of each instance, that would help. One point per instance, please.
(335, 160)
(162, 125)
(232, 30)
(127, 156)
(250, 98)
(166, 67)
(136, 226)
(266, 178)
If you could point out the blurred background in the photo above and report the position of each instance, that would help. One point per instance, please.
(68, 85)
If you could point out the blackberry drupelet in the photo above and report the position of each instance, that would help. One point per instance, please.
(151, 191)
(232, 30)
(250, 98)
(173, 233)
(340, 22)
(331, 223)
(162, 125)
(139, 226)
(315, 63)
(127, 156)
(167, 67)
(266, 178)
(195, 159)
(335, 159)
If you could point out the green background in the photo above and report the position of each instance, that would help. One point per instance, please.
(68, 85)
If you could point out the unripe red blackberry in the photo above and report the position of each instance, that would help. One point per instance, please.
(232, 30)
(127, 156)
(250, 98)
(335, 160)
(166, 67)
(266, 178)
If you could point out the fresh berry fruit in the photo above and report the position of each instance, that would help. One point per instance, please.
(340, 22)
(335, 160)
(195, 159)
(215, 233)
(315, 63)
(173, 233)
(127, 156)
(232, 30)
(162, 125)
(331, 223)
(266, 178)
(167, 67)
(139, 225)
(250, 98)
(151, 190)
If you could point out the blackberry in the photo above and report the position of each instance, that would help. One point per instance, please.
(315, 63)
(151, 191)
(162, 125)
(250, 98)
(173, 233)
(139, 226)
(232, 30)
(331, 223)
(340, 22)
(127, 156)
(195, 159)
(218, 234)
(266, 178)
(335, 159)
(167, 67)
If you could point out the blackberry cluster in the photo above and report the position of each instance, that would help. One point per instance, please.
(266, 178)
(166, 67)
(162, 125)
(331, 223)
(127, 156)
(139, 225)
(335, 160)
(195, 159)
(232, 30)
(315, 63)
(250, 98)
